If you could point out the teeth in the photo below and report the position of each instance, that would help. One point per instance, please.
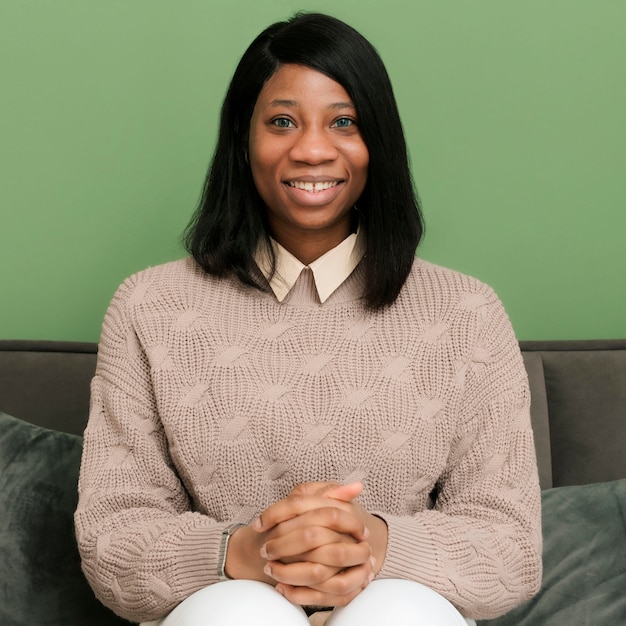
(313, 187)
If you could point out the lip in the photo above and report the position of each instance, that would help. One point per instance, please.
(318, 178)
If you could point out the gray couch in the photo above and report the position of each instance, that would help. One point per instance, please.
(579, 416)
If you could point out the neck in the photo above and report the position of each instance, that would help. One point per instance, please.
(310, 246)
(308, 251)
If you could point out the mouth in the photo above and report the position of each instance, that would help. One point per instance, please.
(315, 187)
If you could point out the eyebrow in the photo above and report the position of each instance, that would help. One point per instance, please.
(294, 103)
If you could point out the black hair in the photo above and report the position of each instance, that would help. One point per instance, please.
(230, 220)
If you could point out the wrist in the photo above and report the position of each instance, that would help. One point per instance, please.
(243, 556)
(378, 539)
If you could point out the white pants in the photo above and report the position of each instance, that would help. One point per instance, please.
(252, 603)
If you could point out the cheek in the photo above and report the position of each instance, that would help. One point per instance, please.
(361, 163)
(260, 179)
(359, 157)
(263, 159)
(264, 174)
(258, 166)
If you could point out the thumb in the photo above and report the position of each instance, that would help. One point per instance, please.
(346, 493)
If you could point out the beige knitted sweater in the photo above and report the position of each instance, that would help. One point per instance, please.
(212, 400)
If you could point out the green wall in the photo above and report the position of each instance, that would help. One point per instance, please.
(514, 114)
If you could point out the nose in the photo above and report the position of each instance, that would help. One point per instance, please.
(313, 146)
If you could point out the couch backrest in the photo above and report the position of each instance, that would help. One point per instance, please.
(579, 409)
(578, 393)
(47, 382)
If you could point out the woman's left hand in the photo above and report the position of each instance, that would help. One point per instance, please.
(327, 548)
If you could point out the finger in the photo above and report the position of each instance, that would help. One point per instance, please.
(346, 493)
(334, 518)
(340, 555)
(305, 596)
(300, 541)
(291, 507)
(322, 578)
(300, 574)
(330, 490)
(352, 581)
(313, 530)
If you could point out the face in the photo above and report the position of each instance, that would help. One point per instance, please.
(308, 159)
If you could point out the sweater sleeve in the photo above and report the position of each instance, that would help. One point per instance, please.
(480, 544)
(143, 549)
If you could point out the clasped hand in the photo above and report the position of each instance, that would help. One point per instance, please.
(319, 546)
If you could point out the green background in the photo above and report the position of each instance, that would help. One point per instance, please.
(514, 114)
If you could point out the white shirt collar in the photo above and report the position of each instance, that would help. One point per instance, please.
(329, 271)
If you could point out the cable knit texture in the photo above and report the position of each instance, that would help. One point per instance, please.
(211, 400)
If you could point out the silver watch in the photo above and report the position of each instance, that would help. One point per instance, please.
(221, 558)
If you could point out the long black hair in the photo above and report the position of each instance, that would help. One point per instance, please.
(230, 220)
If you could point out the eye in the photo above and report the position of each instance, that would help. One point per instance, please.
(344, 122)
(282, 122)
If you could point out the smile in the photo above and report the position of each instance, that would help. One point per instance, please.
(313, 187)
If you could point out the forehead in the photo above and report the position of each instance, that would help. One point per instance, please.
(298, 85)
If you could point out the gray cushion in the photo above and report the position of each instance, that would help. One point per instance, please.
(41, 582)
(584, 554)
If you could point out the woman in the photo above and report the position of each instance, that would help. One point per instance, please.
(302, 414)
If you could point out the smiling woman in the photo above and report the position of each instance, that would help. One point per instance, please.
(303, 418)
(232, 219)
